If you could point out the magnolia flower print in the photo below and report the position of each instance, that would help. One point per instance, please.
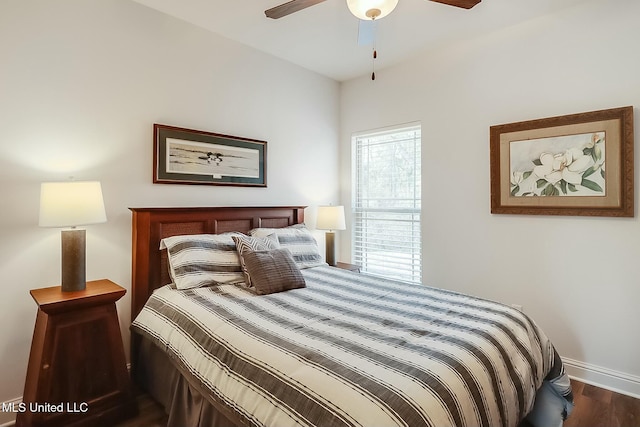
(563, 173)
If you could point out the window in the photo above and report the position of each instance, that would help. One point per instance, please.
(386, 203)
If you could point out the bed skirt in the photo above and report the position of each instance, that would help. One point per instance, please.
(183, 401)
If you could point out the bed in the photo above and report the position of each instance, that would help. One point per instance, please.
(343, 349)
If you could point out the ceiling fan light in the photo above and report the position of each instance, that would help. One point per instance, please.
(371, 9)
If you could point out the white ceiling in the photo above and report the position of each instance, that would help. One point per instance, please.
(324, 37)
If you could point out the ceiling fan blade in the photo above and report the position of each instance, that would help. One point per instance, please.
(465, 4)
(289, 8)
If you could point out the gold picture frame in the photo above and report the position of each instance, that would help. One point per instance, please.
(579, 164)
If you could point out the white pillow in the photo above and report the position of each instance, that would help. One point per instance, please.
(203, 260)
(300, 242)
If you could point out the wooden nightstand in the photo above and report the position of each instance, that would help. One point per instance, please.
(347, 266)
(77, 374)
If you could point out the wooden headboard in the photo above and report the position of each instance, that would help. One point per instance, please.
(150, 225)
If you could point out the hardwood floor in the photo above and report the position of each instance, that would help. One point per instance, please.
(150, 414)
(594, 407)
(597, 407)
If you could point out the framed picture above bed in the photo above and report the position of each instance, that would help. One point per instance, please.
(579, 164)
(187, 156)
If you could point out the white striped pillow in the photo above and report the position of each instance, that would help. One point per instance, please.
(203, 260)
(300, 242)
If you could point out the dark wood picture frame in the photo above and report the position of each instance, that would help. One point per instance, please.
(579, 164)
(187, 156)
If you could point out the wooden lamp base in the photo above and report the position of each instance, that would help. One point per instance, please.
(74, 276)
(330, 241)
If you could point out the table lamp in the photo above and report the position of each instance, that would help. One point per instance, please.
(71, 204)
(330, 218)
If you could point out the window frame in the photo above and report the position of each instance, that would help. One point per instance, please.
(408, 266)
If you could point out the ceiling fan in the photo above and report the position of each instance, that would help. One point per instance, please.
(293, 6)
(367, 11)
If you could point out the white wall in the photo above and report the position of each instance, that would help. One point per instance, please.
(81, 84)
(576, 276)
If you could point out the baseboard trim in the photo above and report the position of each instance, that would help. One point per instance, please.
(8, 418)
(606, 378)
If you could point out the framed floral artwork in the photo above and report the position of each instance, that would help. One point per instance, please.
(580, 164)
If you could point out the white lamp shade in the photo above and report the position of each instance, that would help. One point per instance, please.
(371, 9)
(331, 218)
(69, 204)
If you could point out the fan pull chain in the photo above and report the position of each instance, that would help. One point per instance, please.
(375, 52)
(373, 64)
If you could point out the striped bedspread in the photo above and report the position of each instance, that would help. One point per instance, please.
(353, 350)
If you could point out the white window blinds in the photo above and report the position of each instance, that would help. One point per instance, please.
(386, 205)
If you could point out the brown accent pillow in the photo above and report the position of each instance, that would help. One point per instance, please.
(273, 271)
